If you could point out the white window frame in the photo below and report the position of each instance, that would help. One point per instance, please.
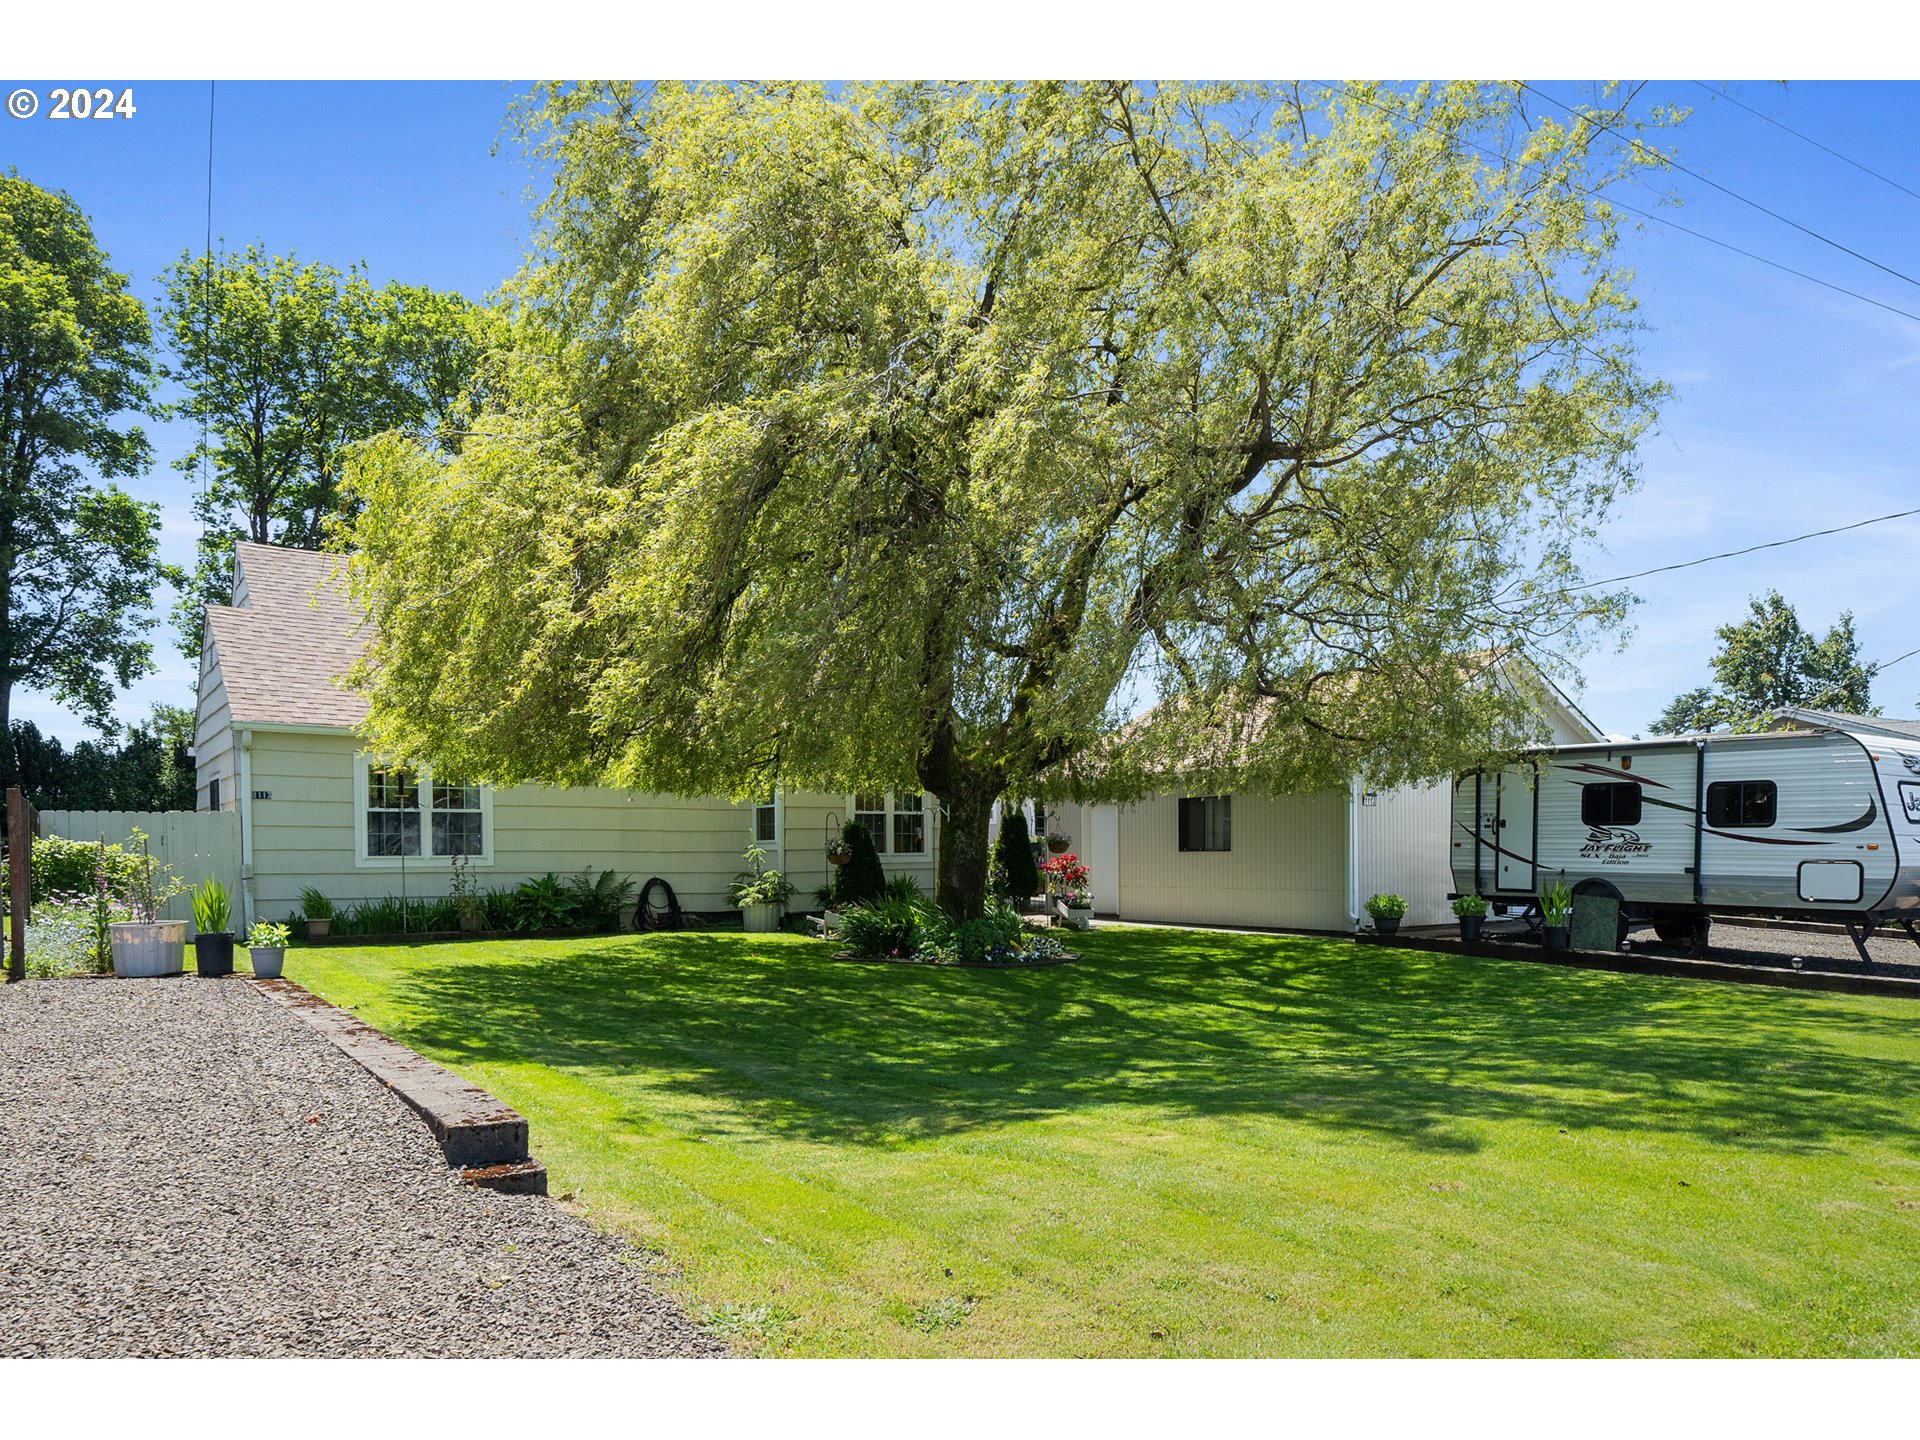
(922, 856)
(423, 780)
(772, 842)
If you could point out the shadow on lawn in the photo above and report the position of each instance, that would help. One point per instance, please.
(1401, 1044)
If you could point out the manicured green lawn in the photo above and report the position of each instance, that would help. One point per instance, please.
(1197, 1144)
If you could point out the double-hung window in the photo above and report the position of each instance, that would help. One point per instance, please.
(898, 823)
(393, 812)
(766, 821)
(406, 814)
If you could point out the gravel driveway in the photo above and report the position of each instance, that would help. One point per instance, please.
(186, 1169)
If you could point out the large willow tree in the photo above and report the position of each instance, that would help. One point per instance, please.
(913, 435)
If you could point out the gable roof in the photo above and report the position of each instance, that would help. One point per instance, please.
(282, 648)
(1835, 720)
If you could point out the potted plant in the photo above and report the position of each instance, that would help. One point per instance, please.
(1387, 912)
(1058, 842)
(759, 892)
(267, 944)
(319, 912)
(1080, 909)
(213, 939)
(1556, 910)
(1471, 912)
(145, 946)
(838, 851)
(466, 895)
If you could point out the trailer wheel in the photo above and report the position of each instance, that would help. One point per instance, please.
(1691, 931)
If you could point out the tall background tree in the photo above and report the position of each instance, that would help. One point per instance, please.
(896, 436)
(287, 364)
(79, 557)
(146, 767)
(1768, 660)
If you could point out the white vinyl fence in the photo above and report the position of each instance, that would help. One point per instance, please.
(196, 845)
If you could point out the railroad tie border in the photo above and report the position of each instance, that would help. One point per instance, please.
(485, 1138)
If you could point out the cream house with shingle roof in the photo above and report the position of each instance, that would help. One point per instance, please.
(278, 739)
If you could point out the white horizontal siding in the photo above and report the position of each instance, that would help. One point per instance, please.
(1286, 870)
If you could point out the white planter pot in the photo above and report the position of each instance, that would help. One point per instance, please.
(759, 919)
(267, 960)
(142, 949)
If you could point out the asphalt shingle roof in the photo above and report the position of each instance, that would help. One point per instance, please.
(282, 652)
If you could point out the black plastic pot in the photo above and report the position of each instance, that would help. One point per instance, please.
(1470, 926)
(1558, 936)
(1385, 925)
(213, 953)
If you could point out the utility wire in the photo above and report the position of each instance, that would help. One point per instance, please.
(1724, 190)
(1730, 554)
(1729, 245)
(1767, 119)
(1493, 154)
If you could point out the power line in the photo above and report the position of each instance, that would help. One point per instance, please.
(1491, 153)
(1729, 245)
(1724, 190)
(1731, 554)
(1767, 119)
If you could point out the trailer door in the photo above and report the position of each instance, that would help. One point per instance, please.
(1513, 831)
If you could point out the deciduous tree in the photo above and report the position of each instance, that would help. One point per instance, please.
(286, 364)
(904, 435)
(79, 558)
(1767, 661)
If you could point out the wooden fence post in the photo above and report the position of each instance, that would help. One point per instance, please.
(20, 827)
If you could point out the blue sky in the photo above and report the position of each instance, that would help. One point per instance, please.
(1793, 407)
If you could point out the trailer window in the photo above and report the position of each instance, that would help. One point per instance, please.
(1610, 805)
(1742, 804)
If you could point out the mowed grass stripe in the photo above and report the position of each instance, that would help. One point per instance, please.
(1206, 1144)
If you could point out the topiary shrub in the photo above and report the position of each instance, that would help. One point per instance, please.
(1013, 853)
(861, 880)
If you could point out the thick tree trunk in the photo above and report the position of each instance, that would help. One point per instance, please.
(965, 856)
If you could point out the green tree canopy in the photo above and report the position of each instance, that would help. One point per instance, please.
(287, 364)
(897, 435)
(79, 559)
(1768, 660)
(146, 768)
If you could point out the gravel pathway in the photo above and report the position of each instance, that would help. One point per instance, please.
(186, 1169)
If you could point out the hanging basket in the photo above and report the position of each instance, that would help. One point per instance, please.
(1058, 843)
(838, 857)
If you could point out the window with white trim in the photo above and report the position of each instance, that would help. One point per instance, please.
(459, 828)
(766, 822)
(403, 814)
(393, 812)
(871, 811)
(898, 823)
(909, 825)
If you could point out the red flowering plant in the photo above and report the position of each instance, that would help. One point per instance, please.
(1067, 877)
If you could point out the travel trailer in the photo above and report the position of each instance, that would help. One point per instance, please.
(1818, 824)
